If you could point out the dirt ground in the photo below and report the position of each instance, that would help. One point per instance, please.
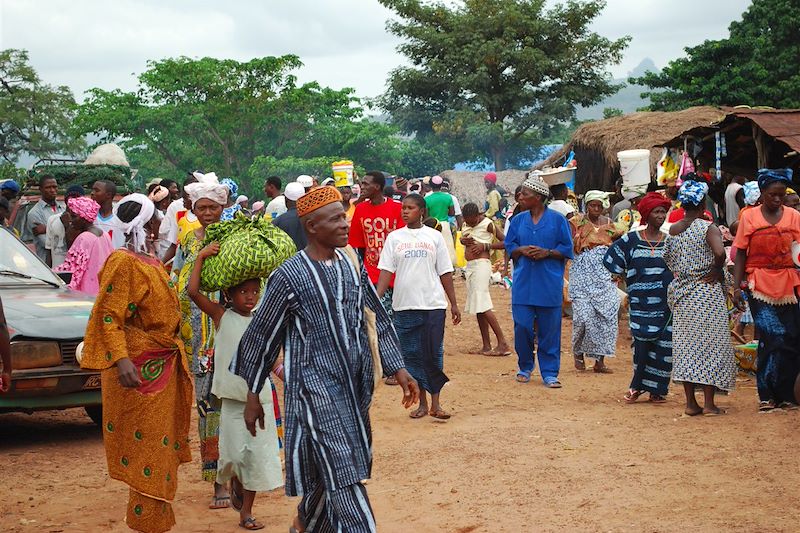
(514, 457)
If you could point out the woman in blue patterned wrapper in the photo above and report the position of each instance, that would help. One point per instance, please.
(701, 342)
(639, 256)
(231, 207)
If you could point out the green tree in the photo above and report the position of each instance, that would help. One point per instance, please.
(35, 118)
(495, 77)
(222, 115)
(758, 64)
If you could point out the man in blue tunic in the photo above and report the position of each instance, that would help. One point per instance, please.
(314, 308)
(539, 241)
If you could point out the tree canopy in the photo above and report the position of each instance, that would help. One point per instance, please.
(246, 120)
(35, 118)
(496, 76)
(758, 64)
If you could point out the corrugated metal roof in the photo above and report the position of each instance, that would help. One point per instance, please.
(781, 124)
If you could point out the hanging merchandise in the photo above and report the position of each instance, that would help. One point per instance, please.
(721, 151)
(687, 166)
(666, 169)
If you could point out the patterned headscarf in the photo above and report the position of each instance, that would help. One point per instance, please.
(231, 185)
(692, 192)
(208, 187)
(752, 192)
(84, 207)
(317, 198)
(593, 195)
(768, 176)
(536, 184)
(650, 201)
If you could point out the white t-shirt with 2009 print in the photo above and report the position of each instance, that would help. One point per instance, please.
(417, 257)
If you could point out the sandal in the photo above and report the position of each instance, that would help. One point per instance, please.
(418, 413)
(580, 364)
(657, 398)
(494, 353)
(251, 524)
(220, 502)
(439, 414)
(632, 395)
(602, 369)
(555, 384)
(765, 405)
(789, 406)
(522, 377)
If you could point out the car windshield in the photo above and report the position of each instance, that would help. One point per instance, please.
(20, 266)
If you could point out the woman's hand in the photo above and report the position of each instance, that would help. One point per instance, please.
(714, 276)
(253, 412)
(476, 249)
(738, 300)
(128, 375)
(209, 250)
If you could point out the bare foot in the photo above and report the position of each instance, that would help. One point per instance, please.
(712, 411)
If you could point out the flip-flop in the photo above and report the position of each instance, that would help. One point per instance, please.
(553, 384)
(439, 414)
(419, 413)
(655, 398)
(217, 505)
(602, 370)
(496, 354)
(580, 363)
(716, 413)
(250, 524)
(632, 395)
(523, 378)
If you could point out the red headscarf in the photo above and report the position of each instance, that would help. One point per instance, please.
(650, 201)
(491, 177)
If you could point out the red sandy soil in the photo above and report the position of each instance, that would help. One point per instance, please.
(514, 457)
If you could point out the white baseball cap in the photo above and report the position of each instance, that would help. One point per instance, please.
(305, 180)
(294, 191)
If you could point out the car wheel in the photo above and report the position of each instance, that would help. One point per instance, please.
(95, 412)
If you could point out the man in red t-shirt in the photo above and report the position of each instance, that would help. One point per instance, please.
(374, 218)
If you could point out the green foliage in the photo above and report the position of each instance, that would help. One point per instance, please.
(9, 171)
(757, 65)
(35, 118)
(245, 120)
(610, 112)
(494, 78)
(85, 175)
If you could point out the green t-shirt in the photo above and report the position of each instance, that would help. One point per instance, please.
(439, 204)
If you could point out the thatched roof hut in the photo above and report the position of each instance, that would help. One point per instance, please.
(468, 186)
(596, 143)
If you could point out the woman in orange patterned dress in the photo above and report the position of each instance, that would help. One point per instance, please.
(132, 338)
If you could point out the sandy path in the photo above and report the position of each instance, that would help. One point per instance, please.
(513, 458)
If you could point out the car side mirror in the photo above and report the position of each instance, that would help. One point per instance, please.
(66, 277)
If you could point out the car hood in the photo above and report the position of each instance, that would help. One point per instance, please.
(51, 313)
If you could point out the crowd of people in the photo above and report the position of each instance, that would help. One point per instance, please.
(364, 298)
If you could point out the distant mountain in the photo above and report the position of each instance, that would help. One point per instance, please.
(627, 99)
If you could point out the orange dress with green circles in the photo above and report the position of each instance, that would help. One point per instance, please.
(146, 429)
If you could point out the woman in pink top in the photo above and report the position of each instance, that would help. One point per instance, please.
(765, 269)
(89, 250)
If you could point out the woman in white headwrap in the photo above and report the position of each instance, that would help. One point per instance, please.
(208, 198)
(132, 338)
(595, 301)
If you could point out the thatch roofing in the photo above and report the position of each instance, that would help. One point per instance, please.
(596, 143)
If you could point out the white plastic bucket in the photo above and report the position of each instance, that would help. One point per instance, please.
(634, 167)
(343, 173)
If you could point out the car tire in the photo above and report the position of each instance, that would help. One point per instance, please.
(95, 412)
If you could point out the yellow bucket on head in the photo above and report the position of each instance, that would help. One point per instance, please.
(343, 173)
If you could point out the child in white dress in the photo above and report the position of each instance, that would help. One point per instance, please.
(251, 463)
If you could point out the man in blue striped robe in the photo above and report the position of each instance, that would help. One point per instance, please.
(313, 309)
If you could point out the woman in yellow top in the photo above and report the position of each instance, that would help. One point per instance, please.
(132, 338)
(595, 302)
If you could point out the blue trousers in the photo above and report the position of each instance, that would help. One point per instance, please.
(548, 321)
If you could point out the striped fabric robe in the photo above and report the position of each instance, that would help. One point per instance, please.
(314, 311)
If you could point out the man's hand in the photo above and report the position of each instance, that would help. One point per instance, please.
(128, 375)
(456, 314)
(409, 386)
(253, 412)
(208, 251)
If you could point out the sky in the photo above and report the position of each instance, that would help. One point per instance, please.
(342, 43)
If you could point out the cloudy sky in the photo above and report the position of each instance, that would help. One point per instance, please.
(343, 43)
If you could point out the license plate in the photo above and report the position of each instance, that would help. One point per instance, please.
(92, 383)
